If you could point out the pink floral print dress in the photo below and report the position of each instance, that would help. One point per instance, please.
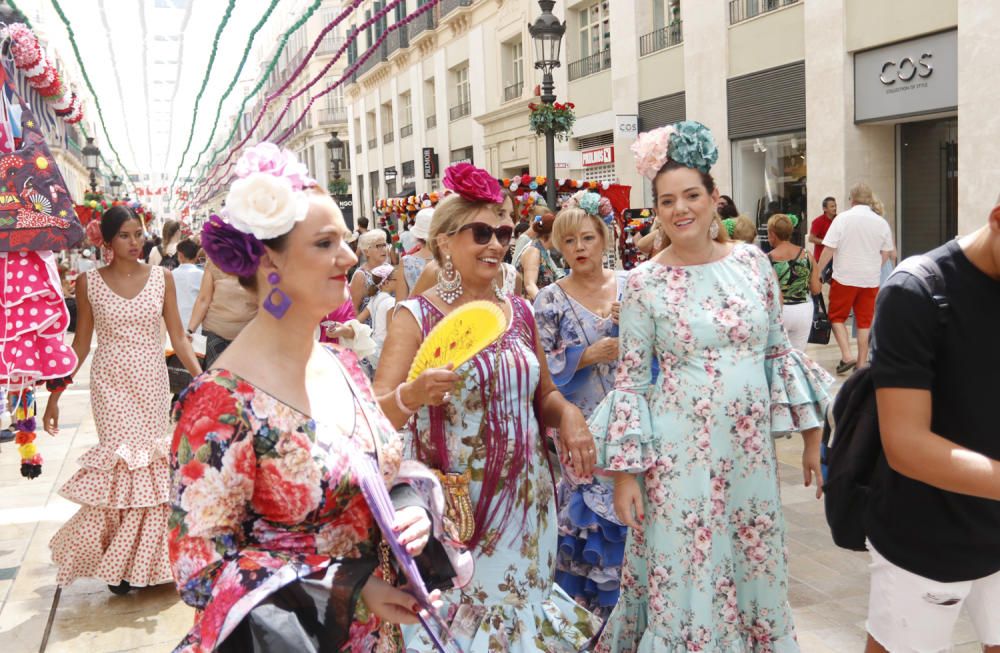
(262, 496)
(708, 572)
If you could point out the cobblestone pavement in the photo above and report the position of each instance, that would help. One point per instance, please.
(828, 586)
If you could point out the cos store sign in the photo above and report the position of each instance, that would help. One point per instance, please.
(914, 77)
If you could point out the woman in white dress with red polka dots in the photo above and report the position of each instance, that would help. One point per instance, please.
(123, 484)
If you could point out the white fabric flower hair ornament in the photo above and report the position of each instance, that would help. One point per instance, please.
(688, 142)
(268, 200)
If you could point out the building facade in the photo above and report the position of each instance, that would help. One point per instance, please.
(805, 98)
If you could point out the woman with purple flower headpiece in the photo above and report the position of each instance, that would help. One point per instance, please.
(271, 537)
(705, 566)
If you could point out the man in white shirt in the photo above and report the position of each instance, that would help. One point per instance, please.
(859, 242)
(187, 278)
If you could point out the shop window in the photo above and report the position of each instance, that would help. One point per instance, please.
(769, 176)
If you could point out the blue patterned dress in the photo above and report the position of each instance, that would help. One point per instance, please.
(708, 572)
(512, 602)
(591, 537)
(413, 266)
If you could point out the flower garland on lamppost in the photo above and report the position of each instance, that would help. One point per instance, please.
(558, 117)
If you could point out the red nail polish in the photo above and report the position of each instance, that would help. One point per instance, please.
(415, 607)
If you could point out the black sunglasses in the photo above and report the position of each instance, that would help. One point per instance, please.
(482, 233)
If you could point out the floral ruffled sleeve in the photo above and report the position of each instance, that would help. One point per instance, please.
(621, 424)
(799, 387)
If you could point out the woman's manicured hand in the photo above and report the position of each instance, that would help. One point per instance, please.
(431, 388)
(628, 500)
(413, 528)
(577, 443)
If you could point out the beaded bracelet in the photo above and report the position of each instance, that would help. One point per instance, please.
(399, 402)
(58, 385)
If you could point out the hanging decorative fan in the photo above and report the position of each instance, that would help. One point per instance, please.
(458, 337)
(40, 203)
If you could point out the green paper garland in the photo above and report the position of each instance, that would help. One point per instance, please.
(263, 79)
(232, 83)
(204, 82)
(90, 87)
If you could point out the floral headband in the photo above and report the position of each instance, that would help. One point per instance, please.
(264, 203)
(592, 204)
(688, 142)
(472, 183)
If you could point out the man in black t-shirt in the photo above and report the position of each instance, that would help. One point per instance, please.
(933, 519)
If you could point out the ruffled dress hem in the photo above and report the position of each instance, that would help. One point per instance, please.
(628, 631)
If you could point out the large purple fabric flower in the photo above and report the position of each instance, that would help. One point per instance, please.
(472, 183)
(229, 248)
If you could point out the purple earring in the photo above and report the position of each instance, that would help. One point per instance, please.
(276, 307)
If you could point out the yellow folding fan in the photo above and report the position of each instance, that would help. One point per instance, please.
(459, 336)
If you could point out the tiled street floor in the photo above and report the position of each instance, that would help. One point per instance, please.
(828, 586)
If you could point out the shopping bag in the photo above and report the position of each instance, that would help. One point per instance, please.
(819, 334)
(36, 210)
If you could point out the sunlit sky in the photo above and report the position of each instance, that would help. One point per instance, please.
(146, 60)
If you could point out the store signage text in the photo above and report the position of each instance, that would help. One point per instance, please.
(430, 163)
(599, 156)
(906, 69)
(627, 127)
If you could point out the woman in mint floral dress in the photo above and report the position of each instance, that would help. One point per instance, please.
(705, 566)
(478, 425)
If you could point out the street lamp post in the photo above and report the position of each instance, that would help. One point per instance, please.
(91, 158)
(547, 33)
(116, 185)
(336, 147)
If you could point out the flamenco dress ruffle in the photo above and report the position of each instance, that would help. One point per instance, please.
(34, 321)
(591, 546)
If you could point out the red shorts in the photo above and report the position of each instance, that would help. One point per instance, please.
(844, 298)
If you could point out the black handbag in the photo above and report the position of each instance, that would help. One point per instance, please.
(819, 334)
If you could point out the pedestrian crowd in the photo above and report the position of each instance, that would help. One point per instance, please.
(600, 475)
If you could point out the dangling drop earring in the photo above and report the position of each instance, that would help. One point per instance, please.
(713, 231)
(449, 282)
(277, 302)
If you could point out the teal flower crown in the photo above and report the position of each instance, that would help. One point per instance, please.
(688, 142)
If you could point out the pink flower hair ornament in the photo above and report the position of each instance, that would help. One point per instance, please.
(688, 142)
(472, 183)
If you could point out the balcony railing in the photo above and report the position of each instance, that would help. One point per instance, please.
(330, 44)
(460, 111)
(448, 6)
(372, 144)
(740, 10)
(431, 122)
(595, 63)
(396, 39)
(406, 130)
(660, 39)
(333, 116)
(425, 21)
(378, 56)
(513, 91)
(388, 138)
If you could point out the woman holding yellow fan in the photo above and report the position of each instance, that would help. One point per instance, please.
(478, 426)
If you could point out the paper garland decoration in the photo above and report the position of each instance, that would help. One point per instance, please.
(42, 74)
